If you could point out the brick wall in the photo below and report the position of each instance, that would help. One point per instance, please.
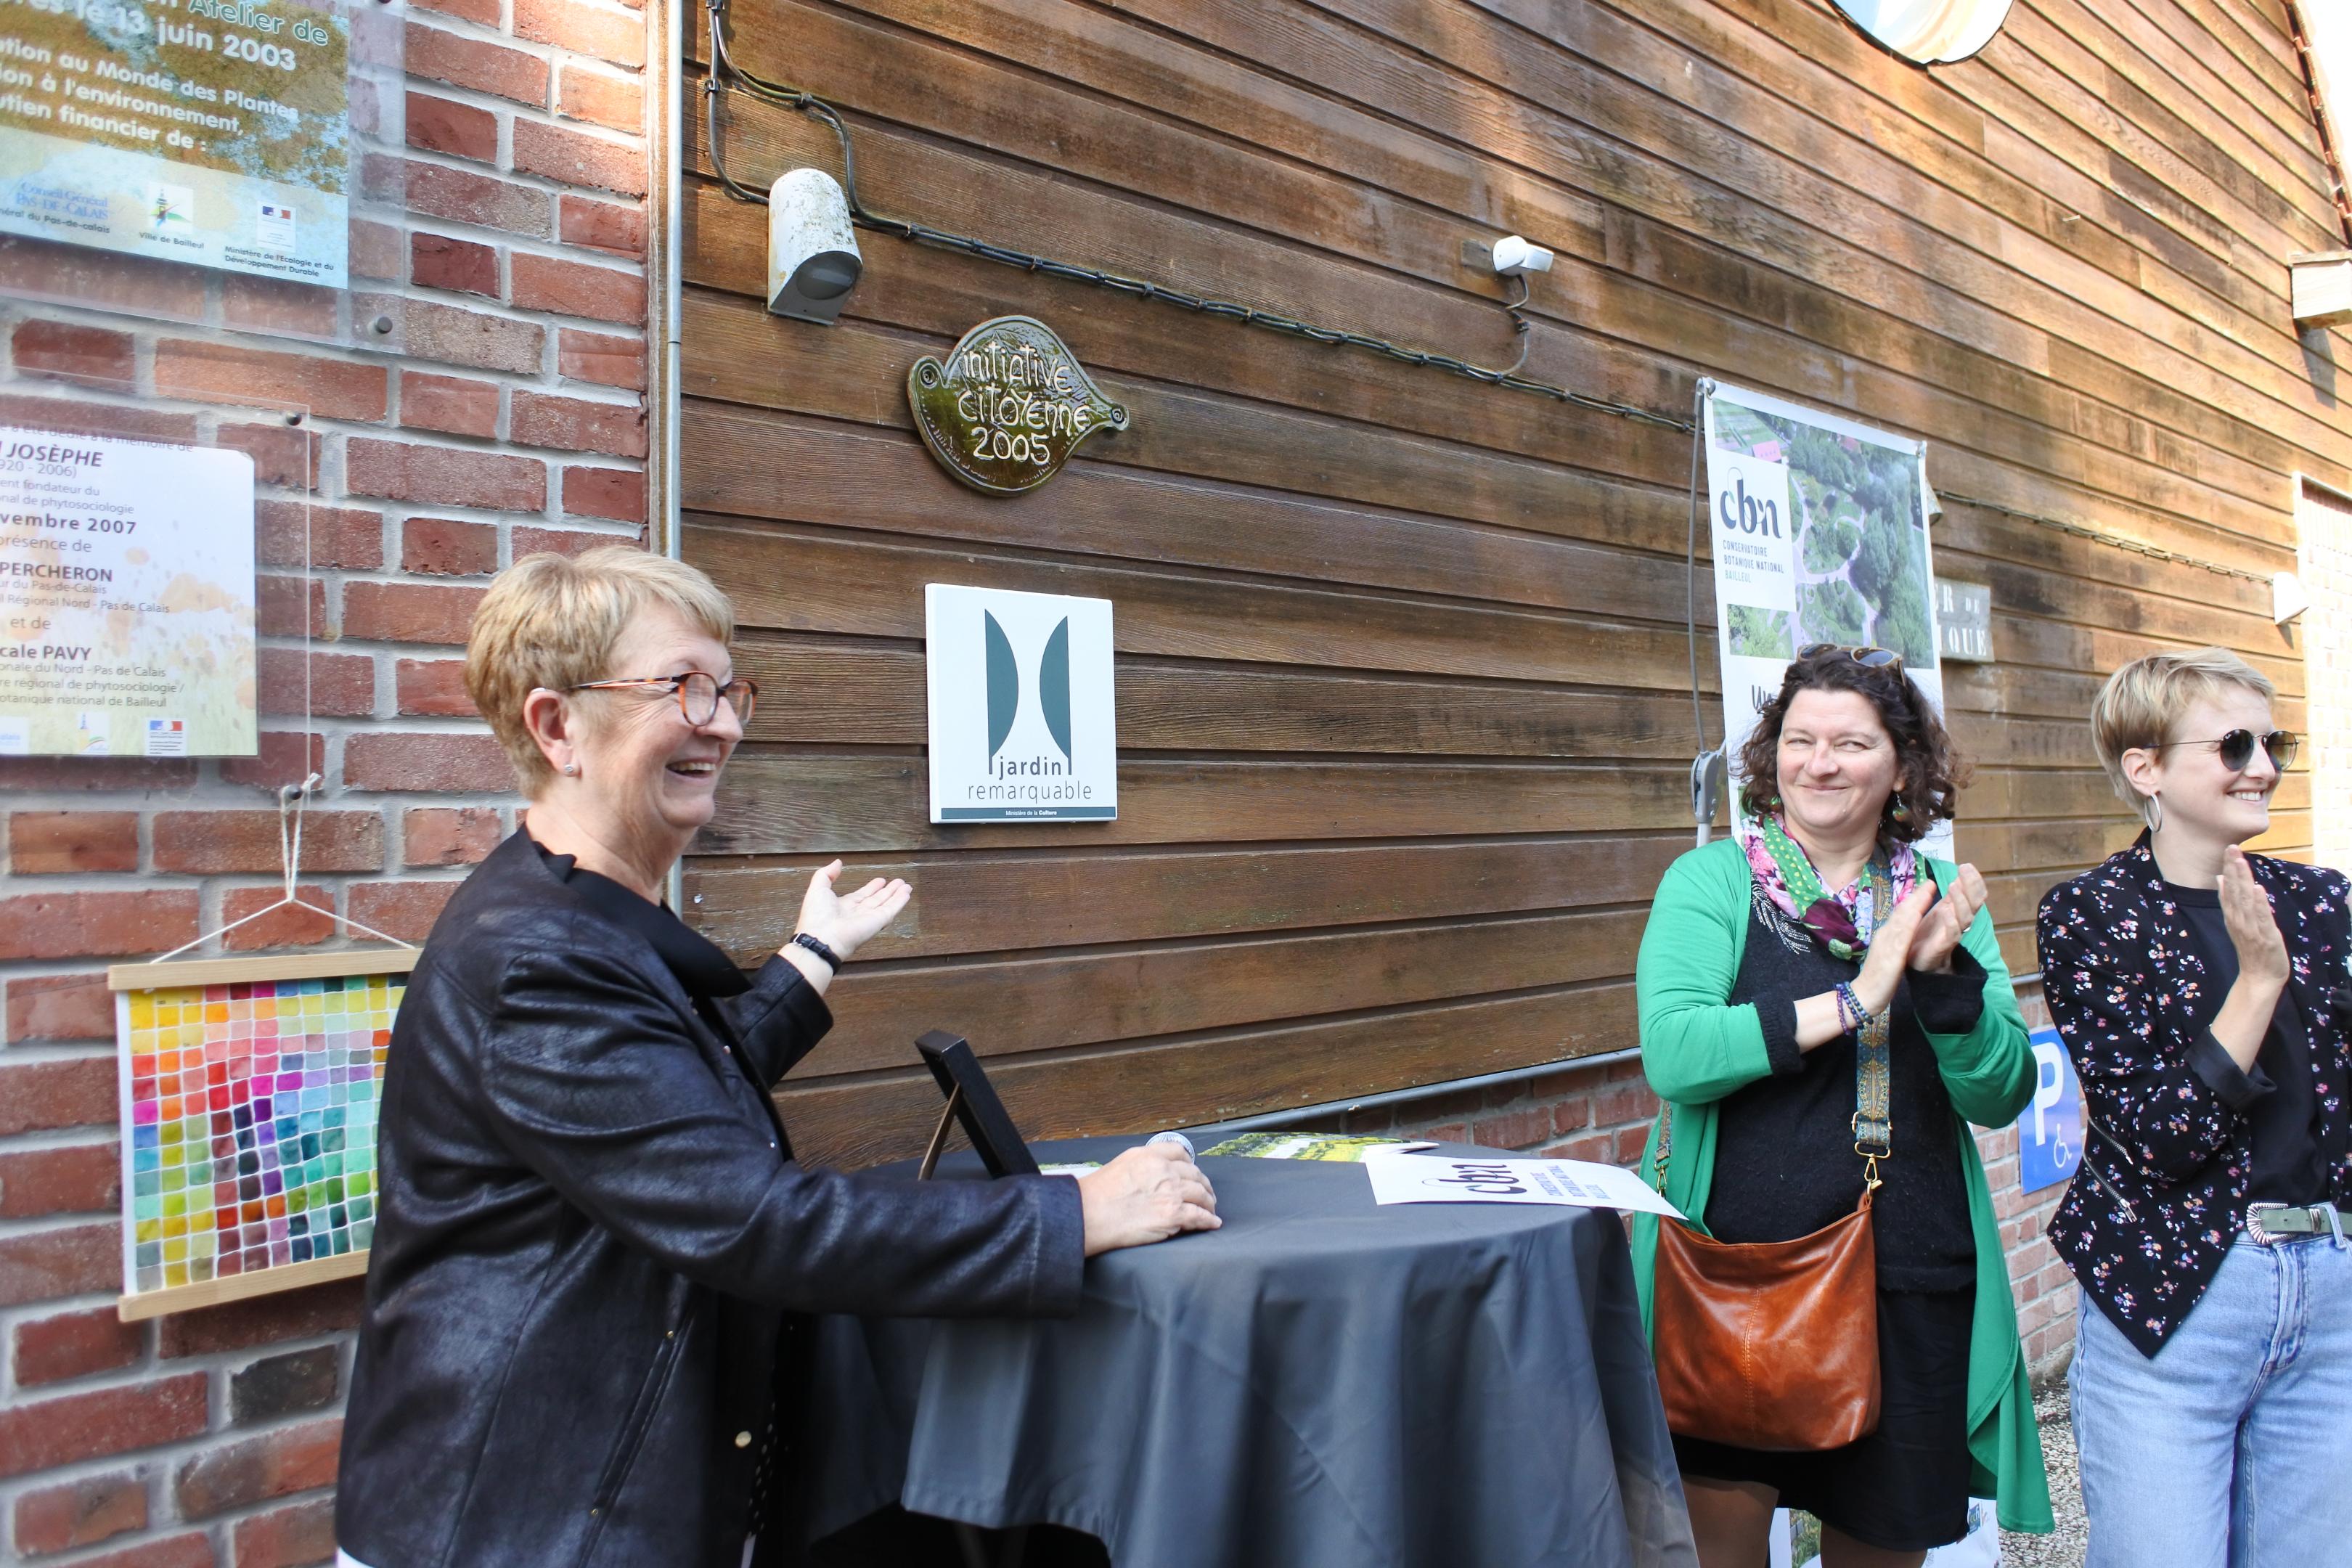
(510, 419)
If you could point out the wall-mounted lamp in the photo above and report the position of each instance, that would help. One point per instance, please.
(1516, 258)
(2321, 290)
(2289, 597)
(812, 261)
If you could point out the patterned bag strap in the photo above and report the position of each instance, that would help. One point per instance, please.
(1874, 1072)
(1665, 1140)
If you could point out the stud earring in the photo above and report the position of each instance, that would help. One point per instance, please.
(571, 770)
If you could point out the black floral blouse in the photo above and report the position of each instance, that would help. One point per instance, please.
(2162, 1191)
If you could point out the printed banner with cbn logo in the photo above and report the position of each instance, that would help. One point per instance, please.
(208, 132)
(1821, 536)
(1023, 720)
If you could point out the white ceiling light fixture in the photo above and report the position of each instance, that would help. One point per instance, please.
(1929, 32)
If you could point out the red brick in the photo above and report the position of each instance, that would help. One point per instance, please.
(285, 1385)
(273, 1465)
(375, 250)
(328, 388)
(80, 1513)
(1517, 1129)
(564, 540)
(472, 765)
(449, 403)
(1624, 1103)
(96, 925)
(347, 537)
(74, 1344)
(1593, 1146)
(486, 12)
(601, 226)
(433, 685)
(59, 1007)
(341, 684)
(577, 158)
(44, 1265)
(278, 305)
(1572, 1114)
(40, 1096)
(282, 454)
(151, 288)
(459, 336)
(71, 351)
(293, 1537)
(75, 1178)
(598, 358)
(448, 836)
(96, 418)
(446, 476)
(616, 493)
(576, 425)
(613, 36)
(279, 606)
(443, 547)
(460, 129)
(602, 98)
(47, 842)
(284, 925)
(190, 1551)
(460, 196)
(409, 612)
(568, 288)
(403, 910)
(502, 72)
(461, 266)
(309, 1313)
(217, 842)
(286, 757)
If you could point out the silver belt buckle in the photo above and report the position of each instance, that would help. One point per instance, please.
(2255, 1213)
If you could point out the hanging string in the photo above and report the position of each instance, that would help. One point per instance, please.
(291, 799)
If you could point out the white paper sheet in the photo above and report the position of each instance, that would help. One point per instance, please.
(1442, 1179)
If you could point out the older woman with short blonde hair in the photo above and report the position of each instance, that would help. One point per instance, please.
(2200, 990)
(593, 1242)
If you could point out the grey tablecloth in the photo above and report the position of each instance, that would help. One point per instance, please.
(1322, 1382)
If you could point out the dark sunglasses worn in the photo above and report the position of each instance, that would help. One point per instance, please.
(1868, 658)
(2236, 748)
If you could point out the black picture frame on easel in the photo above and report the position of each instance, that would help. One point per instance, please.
(971, 1101)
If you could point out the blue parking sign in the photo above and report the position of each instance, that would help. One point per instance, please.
(2050, 1130)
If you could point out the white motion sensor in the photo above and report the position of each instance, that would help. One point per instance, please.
(812, 261)
(1516, 257)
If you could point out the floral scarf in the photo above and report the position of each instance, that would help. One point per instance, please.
(1843, 922)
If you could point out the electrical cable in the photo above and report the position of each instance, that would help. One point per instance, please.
(726, 76)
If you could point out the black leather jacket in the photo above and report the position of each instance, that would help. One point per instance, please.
(592, 1238)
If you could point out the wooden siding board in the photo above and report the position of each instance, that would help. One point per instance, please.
(1403, 696)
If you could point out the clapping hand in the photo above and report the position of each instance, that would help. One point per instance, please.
(1942, 927)
(843, 921)
(1891, 948)
(2254, 929)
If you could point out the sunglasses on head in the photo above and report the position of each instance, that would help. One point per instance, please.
(1868, 658)
(2236, 748)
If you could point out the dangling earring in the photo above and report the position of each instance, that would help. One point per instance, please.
(2153, 811)
(1902, 812)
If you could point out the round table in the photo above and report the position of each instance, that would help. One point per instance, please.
(1321, 1381)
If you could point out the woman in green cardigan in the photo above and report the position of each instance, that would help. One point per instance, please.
(1765, 955)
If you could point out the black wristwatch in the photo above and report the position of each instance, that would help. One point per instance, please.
(831, 958)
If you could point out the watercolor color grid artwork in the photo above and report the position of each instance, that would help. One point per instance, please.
(249, 1118)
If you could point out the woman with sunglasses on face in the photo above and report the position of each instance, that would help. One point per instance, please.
(1782, 970)
(593, 1247)
(2200, 992)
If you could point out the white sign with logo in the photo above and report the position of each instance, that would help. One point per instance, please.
(1023, 717)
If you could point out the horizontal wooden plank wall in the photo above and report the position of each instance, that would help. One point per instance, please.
(1404, 705)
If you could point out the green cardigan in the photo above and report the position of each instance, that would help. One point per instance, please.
(1695, 1050)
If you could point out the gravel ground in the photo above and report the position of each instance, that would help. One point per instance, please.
(2063, 1548)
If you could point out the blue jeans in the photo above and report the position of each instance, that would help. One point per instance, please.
(2232, 1447)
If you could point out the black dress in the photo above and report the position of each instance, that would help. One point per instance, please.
(1785, 1166)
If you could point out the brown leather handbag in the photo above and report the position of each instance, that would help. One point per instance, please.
(1773, 1345)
